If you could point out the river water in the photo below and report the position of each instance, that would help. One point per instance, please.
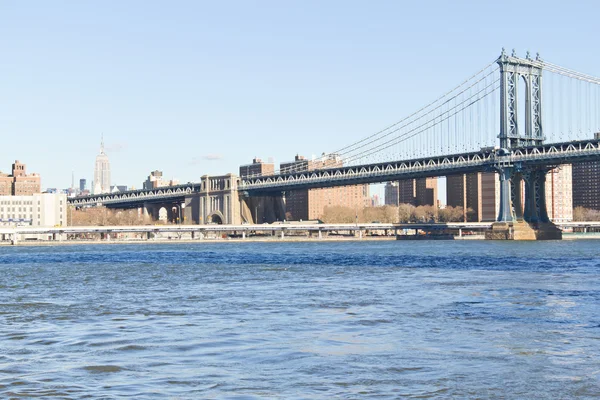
(314, 320)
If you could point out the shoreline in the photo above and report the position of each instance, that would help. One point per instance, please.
(187, 241)
(287, 239)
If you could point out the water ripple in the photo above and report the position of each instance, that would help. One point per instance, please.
(464, 319)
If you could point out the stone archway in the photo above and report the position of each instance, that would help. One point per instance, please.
(216, 218)
(163, 214)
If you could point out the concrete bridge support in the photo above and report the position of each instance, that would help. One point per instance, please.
(151, 211)
(263, 209)
(218, 201)
(532, 222)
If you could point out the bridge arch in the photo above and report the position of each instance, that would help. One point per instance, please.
(163, 214)
(215, 217)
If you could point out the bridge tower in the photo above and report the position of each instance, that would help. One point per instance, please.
(514, 72)
(532, 214)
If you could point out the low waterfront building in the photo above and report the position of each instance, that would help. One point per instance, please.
(39, 209)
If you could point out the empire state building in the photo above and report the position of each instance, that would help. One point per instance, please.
(102, 172)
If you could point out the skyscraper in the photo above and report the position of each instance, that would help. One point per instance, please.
(102, 172)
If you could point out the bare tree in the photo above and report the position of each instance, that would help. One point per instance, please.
(101, 216)
(585, 214)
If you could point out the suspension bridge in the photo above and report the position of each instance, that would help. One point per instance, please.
(519, 117)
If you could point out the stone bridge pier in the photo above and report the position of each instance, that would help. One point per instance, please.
(523, 214)
(263, 209)
(217, 202)
(174, 211)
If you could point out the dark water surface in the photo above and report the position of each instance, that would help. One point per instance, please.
(356, 320)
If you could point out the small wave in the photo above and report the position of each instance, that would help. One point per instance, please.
(103, 368)
(132, 347)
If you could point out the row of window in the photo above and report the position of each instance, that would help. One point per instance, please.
(19, 216)
(18, 202)
(19, 209)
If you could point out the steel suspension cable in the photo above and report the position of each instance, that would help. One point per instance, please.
(405, 137)
(427, 122)
(418, 111)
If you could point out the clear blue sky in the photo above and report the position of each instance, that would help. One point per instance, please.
(194, 87)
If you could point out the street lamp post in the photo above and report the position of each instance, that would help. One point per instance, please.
(182, 213)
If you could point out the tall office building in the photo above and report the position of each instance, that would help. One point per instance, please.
(82, 183)
(102, 172)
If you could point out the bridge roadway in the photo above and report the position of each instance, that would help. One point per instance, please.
(544, 155)
(541, 155)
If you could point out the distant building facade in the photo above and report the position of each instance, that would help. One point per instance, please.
(39, 209)
(102, 172)
(418, 192)
(155, 180)
(559, 193)
(6, 184)
(310, 204)
(19, 183)
(391, 194)
(586, 185)
(375, 200)
(82, 184)
(258, 167)
(118, 188)
(477, 193)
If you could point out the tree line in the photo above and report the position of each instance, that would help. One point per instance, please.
(404, 213)
(585, 214)
(102, 216)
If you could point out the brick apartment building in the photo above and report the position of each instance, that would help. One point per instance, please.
(19, 183)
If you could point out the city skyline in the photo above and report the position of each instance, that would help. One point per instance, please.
(205, 90)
